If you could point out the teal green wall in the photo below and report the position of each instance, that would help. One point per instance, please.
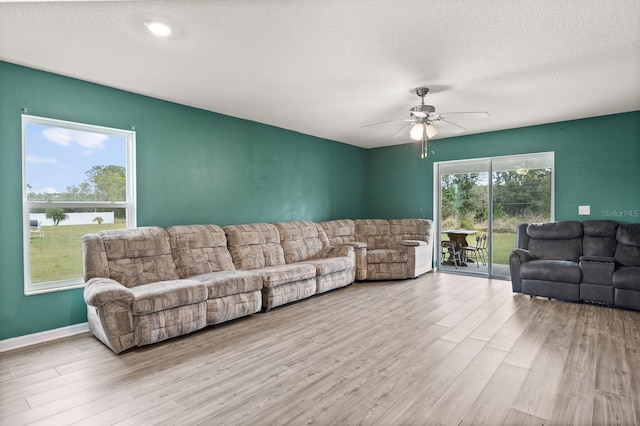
(597, 162)
(193, 166)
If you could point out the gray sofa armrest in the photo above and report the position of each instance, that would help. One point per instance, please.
(100, 291)
(524, 255)
(516, 258)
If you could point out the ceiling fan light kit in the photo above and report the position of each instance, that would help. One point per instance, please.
(417, 131)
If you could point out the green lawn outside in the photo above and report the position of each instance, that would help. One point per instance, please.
(58, 256)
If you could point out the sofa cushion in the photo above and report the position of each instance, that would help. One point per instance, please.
(599, 237)
(600, 228)
(411, 229)
(227, 283)
(331, 264)
(551, 270)
(254, 245)
(386, 256)
(339, 231)
(299, 240)
(158, 296)
(376, 233)
(199, 249)
(273, 276)
(138, 256)
(627, 278)
(163, 325)
(628, 248)
(555, 240)
(570, 249)
(555, 230)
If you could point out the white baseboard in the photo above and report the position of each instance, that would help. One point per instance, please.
(44, 336)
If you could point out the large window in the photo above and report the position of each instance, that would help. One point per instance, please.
(77, 179)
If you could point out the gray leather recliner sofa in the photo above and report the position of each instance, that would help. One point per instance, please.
(592, 261)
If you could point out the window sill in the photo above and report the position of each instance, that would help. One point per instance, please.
(52, 286)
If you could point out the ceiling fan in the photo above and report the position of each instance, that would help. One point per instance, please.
(420, 123)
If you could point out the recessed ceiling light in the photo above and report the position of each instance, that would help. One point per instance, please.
(159, 29)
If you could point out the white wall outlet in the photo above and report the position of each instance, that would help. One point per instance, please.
(584, 210)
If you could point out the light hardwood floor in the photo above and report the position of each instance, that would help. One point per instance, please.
(441, 349)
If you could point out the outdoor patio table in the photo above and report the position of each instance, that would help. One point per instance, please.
(459, 238)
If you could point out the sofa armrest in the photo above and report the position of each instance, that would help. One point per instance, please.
(412, 243)
(100, 291)
(524, 255)
(355, 244)
(419, 256)
(516, 258)
(360, 254)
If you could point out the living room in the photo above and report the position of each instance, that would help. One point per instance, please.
(198, 166)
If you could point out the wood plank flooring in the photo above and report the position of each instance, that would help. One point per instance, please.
(439, 350)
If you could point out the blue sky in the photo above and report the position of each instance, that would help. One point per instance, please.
(58, 158)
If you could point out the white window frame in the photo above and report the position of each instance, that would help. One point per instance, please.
(129, 205)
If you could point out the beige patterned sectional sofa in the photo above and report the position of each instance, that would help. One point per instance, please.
(385, 249)
(150, 284)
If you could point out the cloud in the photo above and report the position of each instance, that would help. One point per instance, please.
(48, 190)
(64, 137)
(39, 160)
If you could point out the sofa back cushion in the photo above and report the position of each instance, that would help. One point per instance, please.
(138, 256)
(339, 231)
(599, 237)
(628, 248)
(376, 233)
(254, 245)
(411, 229)
(199, 249)
(556, 240)
(299, 239)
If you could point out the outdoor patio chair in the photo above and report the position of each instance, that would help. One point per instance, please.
(477, 252)
(449, 248)
(35, 228)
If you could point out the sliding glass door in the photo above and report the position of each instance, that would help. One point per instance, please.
(479, 204)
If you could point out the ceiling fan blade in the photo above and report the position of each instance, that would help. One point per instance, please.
(455, 127)
(382, 122)
(470, 114)
(404, 129)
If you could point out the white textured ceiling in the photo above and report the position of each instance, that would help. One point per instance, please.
(327, 67)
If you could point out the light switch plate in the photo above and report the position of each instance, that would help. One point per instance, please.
(584, 210)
